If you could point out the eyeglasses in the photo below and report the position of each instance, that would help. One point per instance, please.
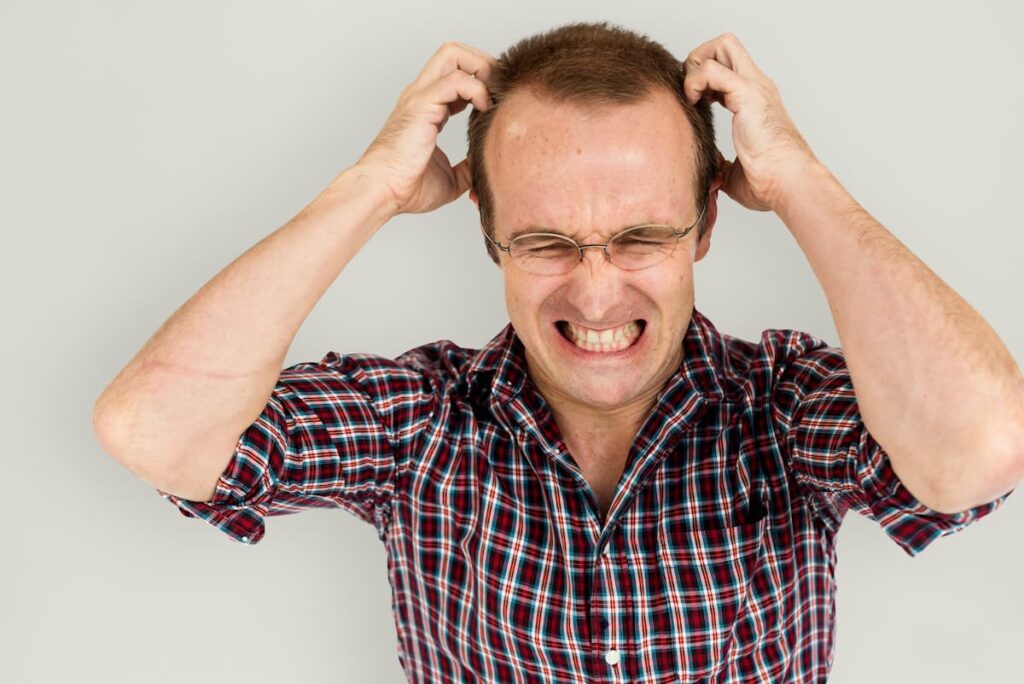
(634, 249)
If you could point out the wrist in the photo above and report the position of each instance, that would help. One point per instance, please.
(802, 181)
(359, 183)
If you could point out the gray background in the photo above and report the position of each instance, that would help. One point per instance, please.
(145, 146)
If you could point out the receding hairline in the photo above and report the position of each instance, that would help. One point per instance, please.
(586, 104)
(588, 108)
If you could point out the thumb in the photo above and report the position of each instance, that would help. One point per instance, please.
(738, 187)
(462, 179)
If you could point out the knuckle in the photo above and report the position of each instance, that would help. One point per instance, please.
(441, 50)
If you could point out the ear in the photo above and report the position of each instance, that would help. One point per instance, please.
(712, 215)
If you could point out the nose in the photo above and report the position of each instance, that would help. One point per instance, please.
(601, 255)
(594, 287)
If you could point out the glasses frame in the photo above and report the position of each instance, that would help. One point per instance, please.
(507, 249)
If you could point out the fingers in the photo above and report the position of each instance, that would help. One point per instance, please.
(456, 90)
(712, 77)
(727, 51)
(453, 77)
(721, 70)
(721, 67)
(455, 56)
(416, 172)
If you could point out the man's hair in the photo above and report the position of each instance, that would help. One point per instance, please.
(592, 65)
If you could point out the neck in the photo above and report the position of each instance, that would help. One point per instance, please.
(603, 433)
(581, 423)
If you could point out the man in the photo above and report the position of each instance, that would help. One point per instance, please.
(610, 490)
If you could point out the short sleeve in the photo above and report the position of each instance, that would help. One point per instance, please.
(839, 463)
(333, 434)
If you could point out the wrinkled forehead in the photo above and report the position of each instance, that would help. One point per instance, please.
(560, 164)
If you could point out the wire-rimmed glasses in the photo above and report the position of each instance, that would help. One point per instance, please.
(633, 249)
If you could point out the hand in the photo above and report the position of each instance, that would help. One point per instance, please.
(404, 155)
(771, 154)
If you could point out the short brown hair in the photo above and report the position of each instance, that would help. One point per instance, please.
(593, 65)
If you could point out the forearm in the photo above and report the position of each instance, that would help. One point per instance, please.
(935, 385)
(208, 371)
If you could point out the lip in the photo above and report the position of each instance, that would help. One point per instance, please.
(630, 351)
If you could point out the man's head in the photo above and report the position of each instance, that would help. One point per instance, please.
(592, 134)
(593, 66)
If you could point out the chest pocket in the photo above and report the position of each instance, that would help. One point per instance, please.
(707, 571)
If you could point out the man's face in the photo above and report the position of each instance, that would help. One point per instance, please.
(590, 174)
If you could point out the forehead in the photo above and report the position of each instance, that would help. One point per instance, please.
(572, 169)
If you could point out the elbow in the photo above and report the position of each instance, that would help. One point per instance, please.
(979, 478)
(106, 428)
(1008, 453)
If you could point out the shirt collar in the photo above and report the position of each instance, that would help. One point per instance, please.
(500, 366)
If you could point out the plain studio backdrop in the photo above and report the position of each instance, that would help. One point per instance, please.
(146, 145)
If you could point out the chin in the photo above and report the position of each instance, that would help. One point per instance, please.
(602, 396)
(604, 380)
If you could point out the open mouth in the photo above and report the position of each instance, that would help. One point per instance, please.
(608, 341)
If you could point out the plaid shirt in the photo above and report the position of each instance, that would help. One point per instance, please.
(717, 558)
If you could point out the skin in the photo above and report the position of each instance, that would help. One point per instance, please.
(590, 174)
(935, 386)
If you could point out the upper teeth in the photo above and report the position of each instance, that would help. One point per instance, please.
(582, 334)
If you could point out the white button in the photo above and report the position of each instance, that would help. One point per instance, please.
(612, 657)
(245, 539)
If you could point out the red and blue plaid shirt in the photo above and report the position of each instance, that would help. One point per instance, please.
(715, 563)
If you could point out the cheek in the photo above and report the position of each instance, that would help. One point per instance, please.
(523, 298)
(682, 282)
(669, 286)
(531, 307)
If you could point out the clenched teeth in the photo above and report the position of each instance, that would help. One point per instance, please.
(604, 340)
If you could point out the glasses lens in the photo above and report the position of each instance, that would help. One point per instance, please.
(544, 254)
(642, 247)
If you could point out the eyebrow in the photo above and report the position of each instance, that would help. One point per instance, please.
(575, 236)
(540, 229)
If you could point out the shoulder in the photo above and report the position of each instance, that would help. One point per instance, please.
(780, 356)
(432, 364)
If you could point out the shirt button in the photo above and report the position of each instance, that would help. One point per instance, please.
(612, 657)
(245, 539)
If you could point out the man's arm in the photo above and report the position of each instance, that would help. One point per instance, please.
(935, 386)
(208, 371)
(175, 412)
